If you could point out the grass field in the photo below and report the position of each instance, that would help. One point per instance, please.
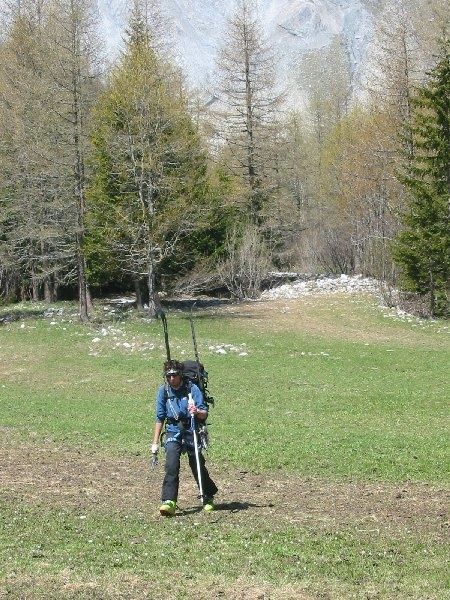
(329, 446)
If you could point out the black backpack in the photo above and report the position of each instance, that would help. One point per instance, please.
(194, 372)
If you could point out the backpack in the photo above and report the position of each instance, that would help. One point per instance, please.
(194, 372)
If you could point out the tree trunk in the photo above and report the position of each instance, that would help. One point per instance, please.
(82, 286)
(138, 291)
(49, 290)
(432, 294)
(90, 302)
(154, 304)
(34, 288)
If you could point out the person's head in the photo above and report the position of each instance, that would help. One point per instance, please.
(173, 371)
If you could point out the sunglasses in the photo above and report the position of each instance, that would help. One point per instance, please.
(173, 374)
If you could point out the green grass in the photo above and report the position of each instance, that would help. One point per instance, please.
(94, 546)
(370, 407)
(311, 405)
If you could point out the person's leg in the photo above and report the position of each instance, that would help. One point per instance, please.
(209, 487)
(172, 471)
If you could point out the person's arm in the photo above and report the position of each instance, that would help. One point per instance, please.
(157, 432)
(160, 417)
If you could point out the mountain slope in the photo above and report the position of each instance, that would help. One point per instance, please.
(294, 28)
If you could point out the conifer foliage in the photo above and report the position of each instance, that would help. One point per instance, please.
(149, 163)
(423, 247)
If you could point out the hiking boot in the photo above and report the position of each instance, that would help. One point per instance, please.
(167, 508)
(208, 504)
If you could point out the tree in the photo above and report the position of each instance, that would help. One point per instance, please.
(28, 200)
(150, 167)
(246, 264)
(248, 105)
(423, 247)
(326, 76)
(74, 73)
(49, 80)
(360, 215)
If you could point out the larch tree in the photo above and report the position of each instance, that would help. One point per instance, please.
(74, 74)
(49, 81)
(25, 194)
(150, 167)
(325, 87)
(248, 106)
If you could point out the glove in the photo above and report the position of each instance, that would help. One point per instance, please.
(155, 448)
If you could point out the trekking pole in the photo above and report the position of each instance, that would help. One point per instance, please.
(196, 449)
(201, 375)
(154, 461)
(194, 340)
(166, 334)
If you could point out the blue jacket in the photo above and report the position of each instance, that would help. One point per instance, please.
(172, 405)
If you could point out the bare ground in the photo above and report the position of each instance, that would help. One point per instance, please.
(60, 476)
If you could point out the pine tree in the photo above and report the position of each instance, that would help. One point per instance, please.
(423, 247)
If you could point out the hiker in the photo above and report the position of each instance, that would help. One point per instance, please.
(172, 409)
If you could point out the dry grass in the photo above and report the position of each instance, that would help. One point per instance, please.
(338, 317)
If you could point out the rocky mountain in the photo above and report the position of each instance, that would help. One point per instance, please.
(195, 30)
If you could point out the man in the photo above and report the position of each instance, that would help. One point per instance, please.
(174, 409)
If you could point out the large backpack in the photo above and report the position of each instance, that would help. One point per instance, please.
(194, 371)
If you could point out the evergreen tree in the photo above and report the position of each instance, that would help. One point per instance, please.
(150, 167)
(423, 247)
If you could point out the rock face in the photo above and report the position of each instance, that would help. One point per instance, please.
(293, 27)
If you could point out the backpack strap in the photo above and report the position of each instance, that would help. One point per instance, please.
(175, 418)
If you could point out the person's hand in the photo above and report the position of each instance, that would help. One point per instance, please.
(193, 410)
(155, 448)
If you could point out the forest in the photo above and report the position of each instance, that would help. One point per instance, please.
(117, 176)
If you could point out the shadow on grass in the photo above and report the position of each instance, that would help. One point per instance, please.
(200, 309)
(238, 506)
(226, 506)
(10, 317)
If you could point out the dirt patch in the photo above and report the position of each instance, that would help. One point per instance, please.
(129, 587)
(58, 476)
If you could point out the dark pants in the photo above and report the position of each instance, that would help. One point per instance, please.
(172, 476)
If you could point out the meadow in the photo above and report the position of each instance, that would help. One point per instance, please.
(329, 445)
